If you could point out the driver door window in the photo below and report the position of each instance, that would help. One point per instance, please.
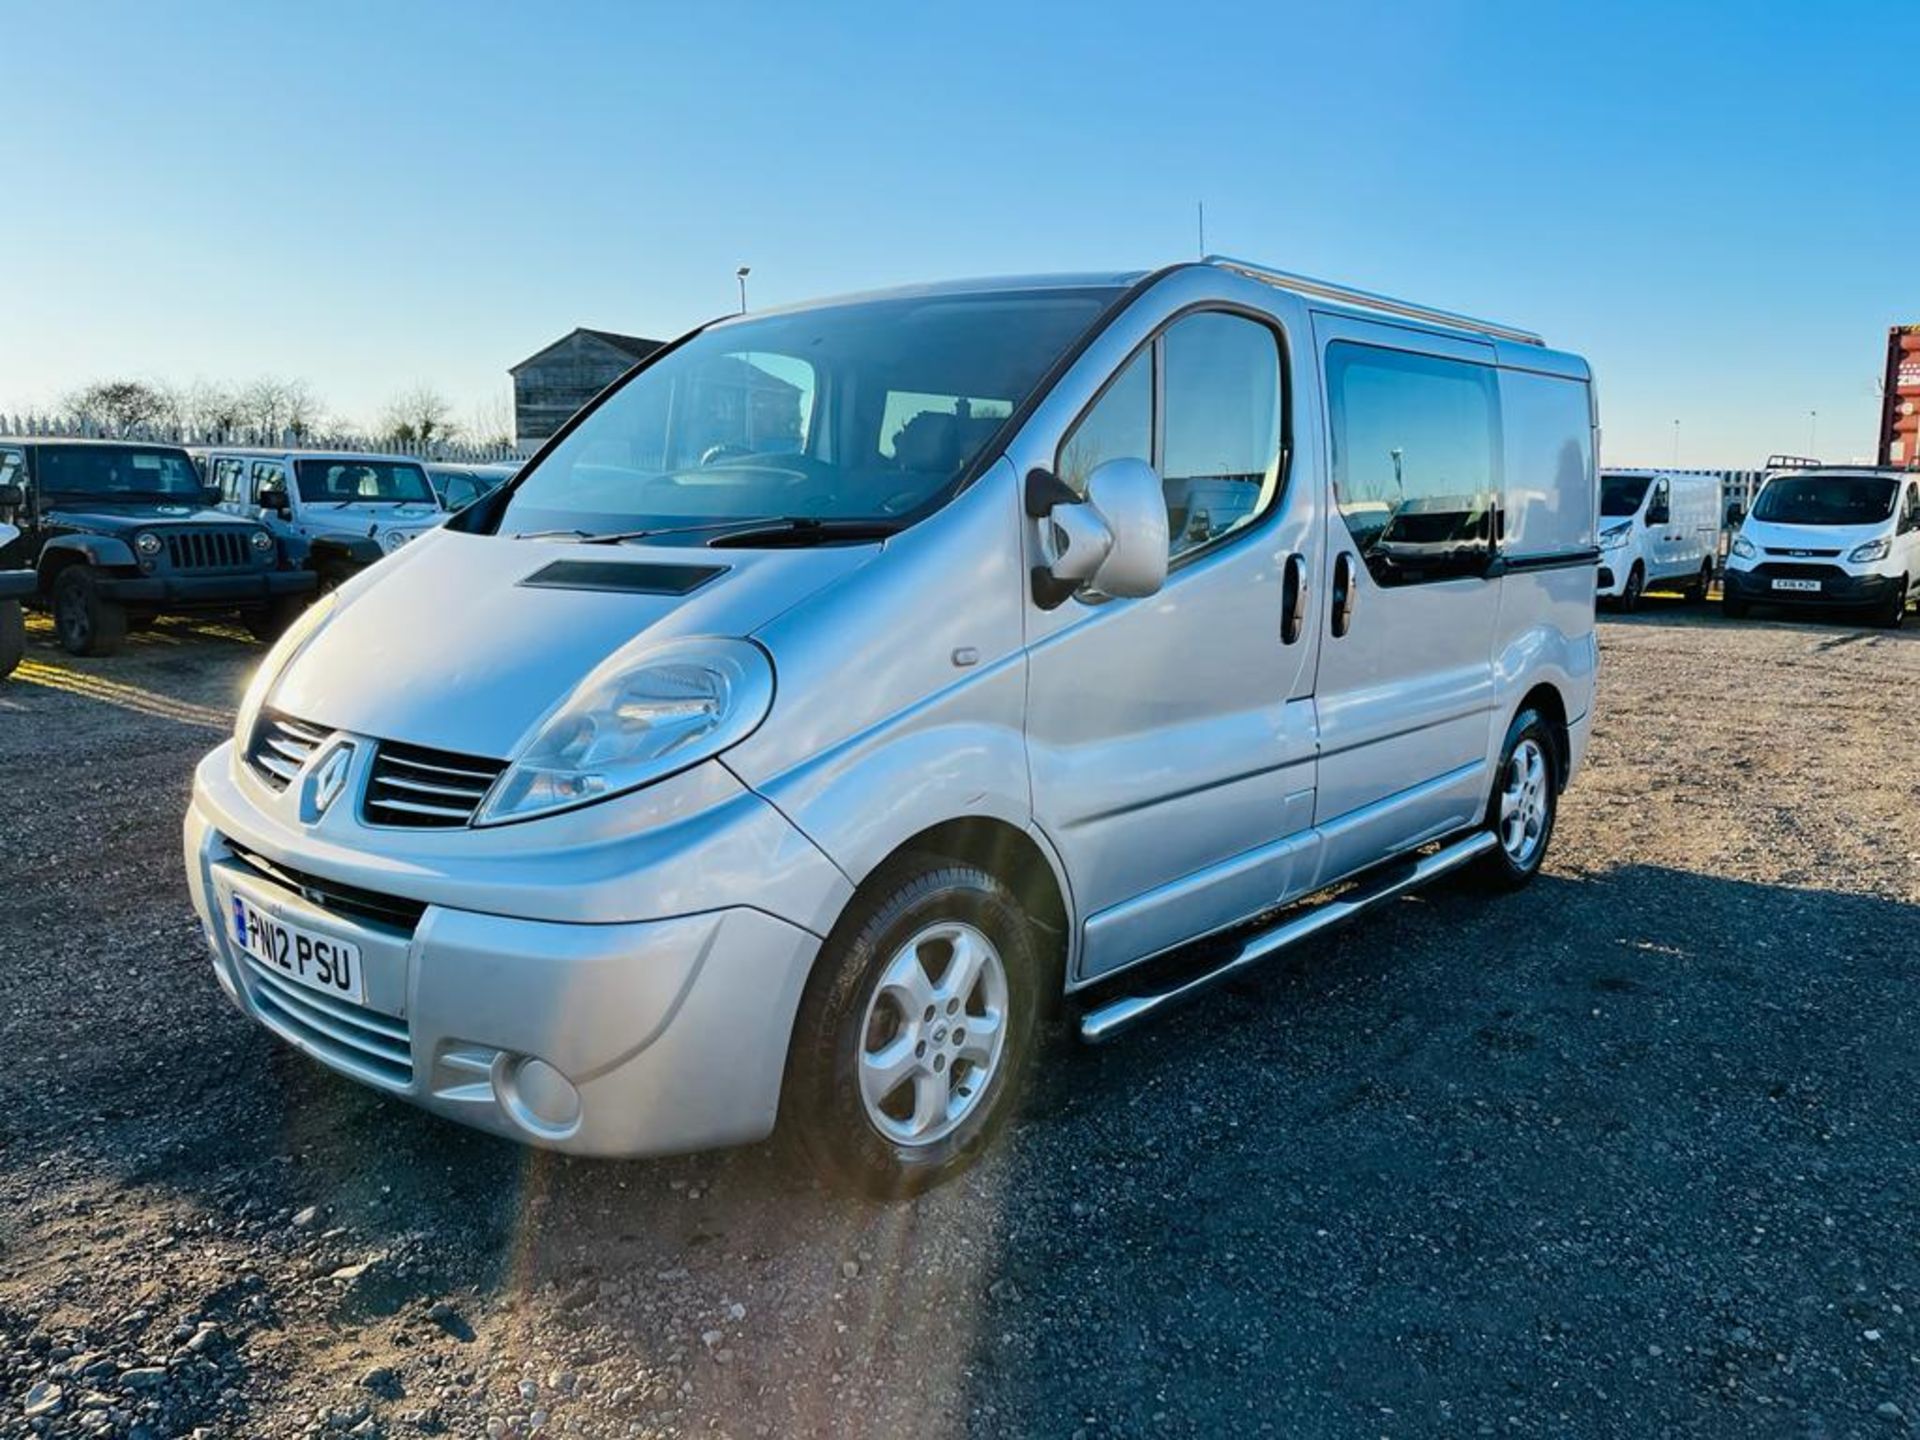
(1210, 426)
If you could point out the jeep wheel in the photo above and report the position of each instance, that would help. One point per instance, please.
(914, 1036)
(13, 637)
(266, 625)
(87, 623)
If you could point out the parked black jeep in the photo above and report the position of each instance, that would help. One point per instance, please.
(118, 532)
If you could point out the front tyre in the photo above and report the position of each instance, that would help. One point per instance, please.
(1525, 802)
(86, 622)
(916, 1030)
(266, 625)
(1634, 589)
(1892, 613)
(13, 637)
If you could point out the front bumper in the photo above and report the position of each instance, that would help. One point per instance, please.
(18, 584)
(641, 1038)
(207, 591)
(1838, 588)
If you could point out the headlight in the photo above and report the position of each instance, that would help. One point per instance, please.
(1873, 550)
(292, 640)
(262, 540)
(394, 539)
(147, 543)
(635, 720)
(1743, 547)
(1614, 538)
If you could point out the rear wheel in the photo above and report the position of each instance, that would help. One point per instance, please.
(13, 637)
(1526, 799)
(916, 1031)
(87, 623)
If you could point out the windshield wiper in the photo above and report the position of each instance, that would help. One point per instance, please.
(739, 525)
(808, 529)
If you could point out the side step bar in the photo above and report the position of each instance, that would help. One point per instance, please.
(1109, 1019)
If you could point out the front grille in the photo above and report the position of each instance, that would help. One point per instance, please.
(207, 549)
(413, 786)
(1788, 570)
(345, 1034)
(1800, 550)
(281, 745)
(330, 895)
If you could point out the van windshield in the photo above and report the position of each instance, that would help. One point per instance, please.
(130, 471)
(353, 482)
(1621, 494)
(1827, 499)
(868, 412)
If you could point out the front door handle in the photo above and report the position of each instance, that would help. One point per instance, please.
(1293, 599)
(1341, 610)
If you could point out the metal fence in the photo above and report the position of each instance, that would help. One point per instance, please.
(56, 427)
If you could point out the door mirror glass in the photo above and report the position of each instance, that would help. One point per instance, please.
(1115, 541)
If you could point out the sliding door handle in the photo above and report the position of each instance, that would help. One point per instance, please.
(1340, 611)
(1293, 600)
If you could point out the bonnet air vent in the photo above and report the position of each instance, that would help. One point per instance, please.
(623, 576)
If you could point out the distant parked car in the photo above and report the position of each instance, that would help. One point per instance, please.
(15, 586)
(349, 508)
(458, 486)
(1842, 538)
(119, 532)
(1659, 529)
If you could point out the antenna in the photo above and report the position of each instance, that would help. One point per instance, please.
(1201, 206)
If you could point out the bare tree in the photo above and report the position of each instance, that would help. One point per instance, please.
(118, 404)
(492, 422)
(275, 407)
(417, 416)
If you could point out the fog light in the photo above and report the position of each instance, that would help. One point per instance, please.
(540, 1099)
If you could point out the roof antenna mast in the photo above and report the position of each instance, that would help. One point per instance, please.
(1201, 207)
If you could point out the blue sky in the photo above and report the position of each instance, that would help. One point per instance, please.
(1714, 203)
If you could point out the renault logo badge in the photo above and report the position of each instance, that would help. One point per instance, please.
(328, 779)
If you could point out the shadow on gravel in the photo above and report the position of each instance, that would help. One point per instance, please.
(1643, 1140)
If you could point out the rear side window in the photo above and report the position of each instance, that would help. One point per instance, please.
(1415, 470)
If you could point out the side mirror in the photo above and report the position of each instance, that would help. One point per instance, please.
(12, 496)
(1114, 541)
(1735, 513)
(211, 495)
(270, 497)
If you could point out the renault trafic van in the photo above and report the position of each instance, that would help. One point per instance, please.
(1659, 530)
(1841, 538)
(853, 684)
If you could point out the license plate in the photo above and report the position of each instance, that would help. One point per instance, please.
(1813, 585)
(319, 962)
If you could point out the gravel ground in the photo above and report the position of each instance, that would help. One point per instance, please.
(1632, 1153)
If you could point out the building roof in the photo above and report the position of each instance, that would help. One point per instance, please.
(636, 346)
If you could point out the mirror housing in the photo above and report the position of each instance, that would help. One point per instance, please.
(1113, 542)
(1735, 513)
(210, 495)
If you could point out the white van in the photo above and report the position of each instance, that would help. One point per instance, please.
(350, 507)
(1659, 530)
(852, 683)
(1843, 538)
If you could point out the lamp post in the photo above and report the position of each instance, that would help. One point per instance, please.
(741, 275)
(1813, 434)
(1676, 444)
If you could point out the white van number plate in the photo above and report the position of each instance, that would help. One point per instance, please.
(1813, 585)
(319, 962)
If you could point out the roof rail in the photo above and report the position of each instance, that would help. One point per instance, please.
(1347, 295)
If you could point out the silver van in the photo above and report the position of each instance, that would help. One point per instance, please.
(854, 686)
(351, 508)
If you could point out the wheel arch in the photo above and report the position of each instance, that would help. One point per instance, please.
(1545, 697)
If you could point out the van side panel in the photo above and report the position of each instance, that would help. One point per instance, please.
(1544, 634)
